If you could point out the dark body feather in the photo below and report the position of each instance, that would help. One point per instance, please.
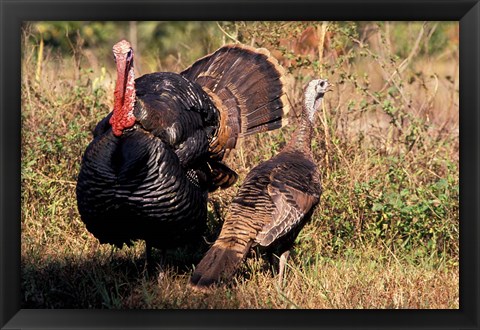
(150, 180)
(153, 178)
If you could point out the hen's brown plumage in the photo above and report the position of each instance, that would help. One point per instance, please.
(273, 204)
(152, 161)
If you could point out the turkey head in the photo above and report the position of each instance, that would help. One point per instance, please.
(124, 97)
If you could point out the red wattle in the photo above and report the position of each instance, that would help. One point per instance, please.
(124, 102)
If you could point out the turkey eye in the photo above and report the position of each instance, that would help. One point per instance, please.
(114, 58)
(129, 55)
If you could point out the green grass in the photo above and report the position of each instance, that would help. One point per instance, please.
(385, 234)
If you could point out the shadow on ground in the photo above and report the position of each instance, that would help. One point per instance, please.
(106, 282)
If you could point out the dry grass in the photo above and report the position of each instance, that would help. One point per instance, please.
(367, 279)
(384, 236)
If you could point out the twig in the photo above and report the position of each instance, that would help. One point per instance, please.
(227, 34)
(429, 103)
(133, 34)
(398, 70)
(321, 31)
(387, 37)
(38, 72)
(26, 79)
(407, 60)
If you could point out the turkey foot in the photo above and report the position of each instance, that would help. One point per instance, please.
(282, 266)
(153, 266)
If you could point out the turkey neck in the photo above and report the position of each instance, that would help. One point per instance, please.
(302, 137)
(124, 97)
(312, 102)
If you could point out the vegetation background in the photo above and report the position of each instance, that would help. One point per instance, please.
(385, 234)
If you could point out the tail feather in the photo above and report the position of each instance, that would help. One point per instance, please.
(221, 261)
(222, 175)
(249, 86)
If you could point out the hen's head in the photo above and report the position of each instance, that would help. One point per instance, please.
(314, 95)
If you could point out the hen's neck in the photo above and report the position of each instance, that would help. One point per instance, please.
(302, 137)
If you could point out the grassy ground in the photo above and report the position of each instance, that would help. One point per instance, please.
(385, 234)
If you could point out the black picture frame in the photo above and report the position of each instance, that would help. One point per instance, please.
(14, 12)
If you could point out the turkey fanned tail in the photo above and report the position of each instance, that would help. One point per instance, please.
(248, 86)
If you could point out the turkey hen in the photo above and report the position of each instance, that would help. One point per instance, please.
(273, 204)
(155, 157)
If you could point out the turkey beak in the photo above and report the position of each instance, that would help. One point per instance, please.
(319, 99)
(330, 87)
